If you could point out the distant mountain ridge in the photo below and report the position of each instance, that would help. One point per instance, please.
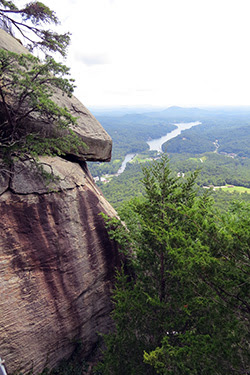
(173, 113)
(177, 112)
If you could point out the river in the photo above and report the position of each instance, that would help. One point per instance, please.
(156, 144)
(127, 159)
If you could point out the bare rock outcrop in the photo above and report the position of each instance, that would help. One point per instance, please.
(56, 264)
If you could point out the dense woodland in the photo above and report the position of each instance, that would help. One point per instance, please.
(128, 185)
(232, 135)
(181, 304)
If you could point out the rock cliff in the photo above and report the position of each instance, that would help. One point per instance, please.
(56, 259)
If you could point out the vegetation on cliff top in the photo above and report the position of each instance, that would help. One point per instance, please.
(31, 123)
(26, 90)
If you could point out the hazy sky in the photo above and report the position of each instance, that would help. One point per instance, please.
(158, 52)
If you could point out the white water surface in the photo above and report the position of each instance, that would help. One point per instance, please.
(127, 159)
(156, 144)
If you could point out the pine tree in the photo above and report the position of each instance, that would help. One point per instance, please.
(183, 309)
(28, 23)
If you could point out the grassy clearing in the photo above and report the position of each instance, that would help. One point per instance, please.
(117, 161)
(229, 188)
(141, 159)
(203, 158)
(239, 189)
(199, 160)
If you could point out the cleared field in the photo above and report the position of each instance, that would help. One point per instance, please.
(230, 188)
(239, 189)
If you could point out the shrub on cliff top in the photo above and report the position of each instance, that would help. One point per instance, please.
(26, 90)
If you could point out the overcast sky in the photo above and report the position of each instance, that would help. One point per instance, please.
(158, 52)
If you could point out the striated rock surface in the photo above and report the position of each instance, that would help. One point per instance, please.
(98, 142)
(56, 264)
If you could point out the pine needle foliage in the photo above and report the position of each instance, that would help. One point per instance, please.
(184, 307)
(28, 23)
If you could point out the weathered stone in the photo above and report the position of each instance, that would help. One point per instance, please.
(4, 178)
(11, 44)
(56, 269)
(29, 176)
(98, 142)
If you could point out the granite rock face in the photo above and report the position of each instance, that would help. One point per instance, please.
(56, 259)
(56, 264)
(98, 142)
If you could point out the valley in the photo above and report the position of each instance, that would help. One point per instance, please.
(218, 148)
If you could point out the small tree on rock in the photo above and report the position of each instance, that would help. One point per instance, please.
(26, 90)
(31, 123)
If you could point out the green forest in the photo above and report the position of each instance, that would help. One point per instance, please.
(181, 301)
(221, 154)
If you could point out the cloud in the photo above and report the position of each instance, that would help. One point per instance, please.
(144, 90)
(92, 59)
(151, 52)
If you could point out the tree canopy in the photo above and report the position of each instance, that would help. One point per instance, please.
(183, 307)
(28, 22)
